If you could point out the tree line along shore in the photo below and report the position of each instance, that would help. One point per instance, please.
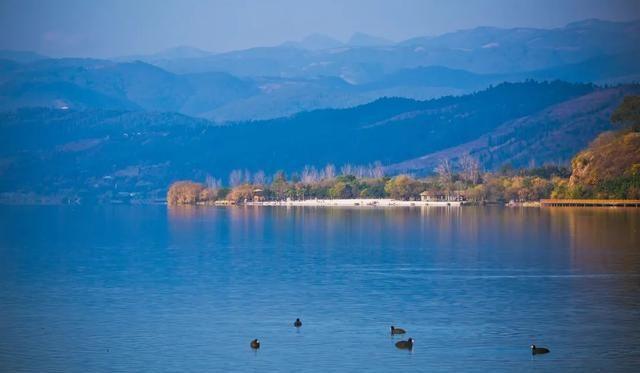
(609, 168)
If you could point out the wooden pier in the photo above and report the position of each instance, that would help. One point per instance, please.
(590, 202)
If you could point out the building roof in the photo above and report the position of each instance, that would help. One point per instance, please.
(440, 192)
(432, 192)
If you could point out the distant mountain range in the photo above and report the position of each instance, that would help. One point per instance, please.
(317, 42)
(101, 154)
(102, 84)
(20, 56)
(95, 128)
(485, 50)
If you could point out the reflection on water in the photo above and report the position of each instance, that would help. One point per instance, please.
(151, 288)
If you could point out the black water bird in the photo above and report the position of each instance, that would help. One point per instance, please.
(297, 323)
(407, 345)
(539, 350)
(255, 344)
(395, 330)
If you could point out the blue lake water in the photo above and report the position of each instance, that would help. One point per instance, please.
(147, 288)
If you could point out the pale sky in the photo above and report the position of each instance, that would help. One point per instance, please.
(89, 28)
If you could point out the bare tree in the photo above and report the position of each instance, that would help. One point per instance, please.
(470, 168)
(329, 171)
(378, 170)
(217, 184)
(235, 178)
(309, 175)
(210, 181)
(444, 172)
(347, 169)
(476, 172)
(213, 185)
(259, 178)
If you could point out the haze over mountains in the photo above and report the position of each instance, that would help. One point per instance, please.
(320, 72)
(96, 127)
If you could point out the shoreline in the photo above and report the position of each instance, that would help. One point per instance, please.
(357, 202)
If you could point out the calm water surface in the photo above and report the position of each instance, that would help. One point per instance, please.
(90, 289)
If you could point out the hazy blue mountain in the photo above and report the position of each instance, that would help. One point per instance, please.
(320, 72)
(581, 37)
(95, 153)
(182, 51)
(139, 84)
(102, 84)
(278, 97)
(435, 76)
(179, 52)
(62, 95)
(262, 61)
(210, 91)
(620, 67)
(496, 50)
(215, 95)
(601, 69)
(485, 50)
(264, 83)
(360, 39)
(315, 42)
(20, 56)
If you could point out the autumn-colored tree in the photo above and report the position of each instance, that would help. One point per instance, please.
(208, 195)
(184, 192)
(477, 193)
(241, 193)
(628, 113)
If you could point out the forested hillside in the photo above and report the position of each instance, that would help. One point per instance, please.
(551, 135)
(100, 154)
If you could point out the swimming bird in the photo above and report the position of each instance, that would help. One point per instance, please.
(297, 323)
(255, 344)
(395, 330)
(408, 344)
(539, 350)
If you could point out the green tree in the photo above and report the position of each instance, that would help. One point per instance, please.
(341, 190)
(279, 186)
(402, 187)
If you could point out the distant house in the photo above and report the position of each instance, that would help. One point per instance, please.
(258, 195)
(440, 196)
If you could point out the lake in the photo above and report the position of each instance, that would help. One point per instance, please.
(148, 288)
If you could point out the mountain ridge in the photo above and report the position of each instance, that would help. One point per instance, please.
(98, 153)
(221, 96)
(546, 136)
